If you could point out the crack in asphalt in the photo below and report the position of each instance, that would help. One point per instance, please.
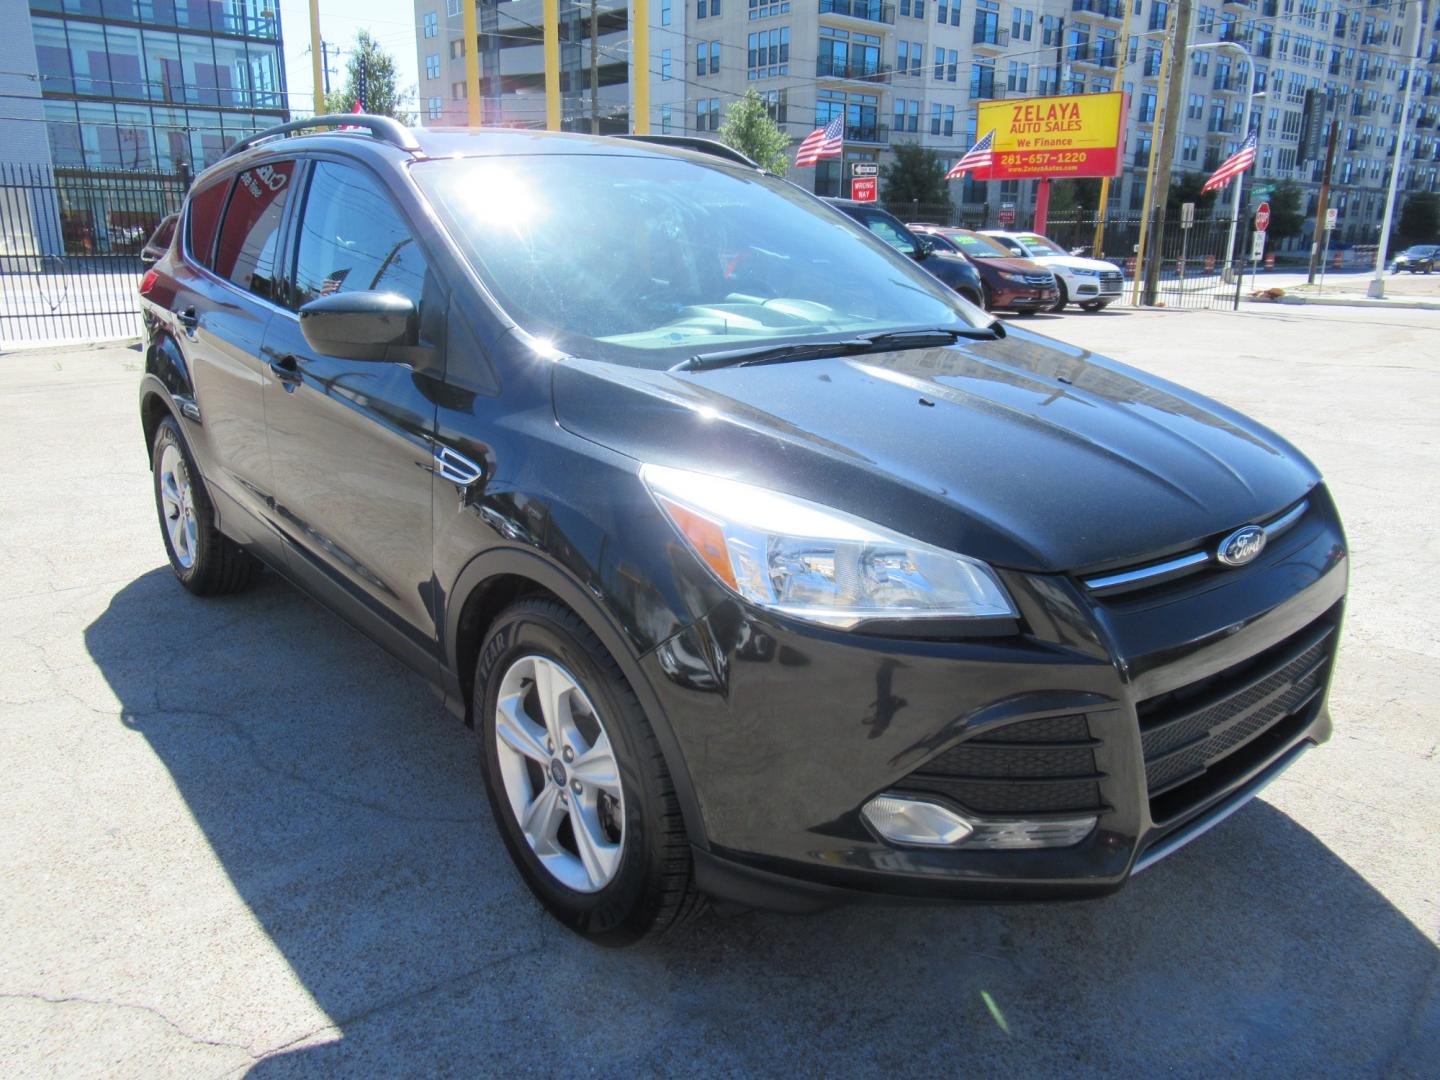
(76, 999)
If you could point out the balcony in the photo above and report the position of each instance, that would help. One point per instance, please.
(990, 37)
(1226, 83)
(1372, 37)
(1106, 9)
(1269, 8)
(877, 134)
(1094, 55)
(983, 93)
(1359, 108)
(1228, 126)
(868, 10)
(828, 67)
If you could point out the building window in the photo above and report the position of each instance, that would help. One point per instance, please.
(952, 66)
(917, 57)
(939, 64)
(902, 57)
(714, 57)
(942, 11)
(430, 22)
(457, 49)
(768, 53)
(452, 7)
(457, 91)
(934, 118)
(760, 9)
(432, 66)
(1022, 24)
(435, 108)
(949, 128)
(666, 57)
(666, 119)
(664, 12)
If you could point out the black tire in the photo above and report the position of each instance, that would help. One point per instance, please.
(653, 890)
(219, 565)
(1062, 299)
(1094, 305)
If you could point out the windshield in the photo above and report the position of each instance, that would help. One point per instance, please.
(1038, 245)
(977, 246)
(649, 260)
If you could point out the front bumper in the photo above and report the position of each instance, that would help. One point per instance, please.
(1024, 298)
(788, 729)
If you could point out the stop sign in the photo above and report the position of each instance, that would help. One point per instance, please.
(1262, 217)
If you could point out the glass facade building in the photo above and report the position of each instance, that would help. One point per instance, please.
(156, 85)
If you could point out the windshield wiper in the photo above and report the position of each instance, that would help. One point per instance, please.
(818, 350)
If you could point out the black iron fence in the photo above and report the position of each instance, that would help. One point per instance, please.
(1193, 265)
(70, 251)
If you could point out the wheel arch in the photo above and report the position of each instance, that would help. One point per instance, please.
(497, 578)
(166, 387)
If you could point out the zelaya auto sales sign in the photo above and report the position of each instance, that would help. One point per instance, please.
(1074, 135)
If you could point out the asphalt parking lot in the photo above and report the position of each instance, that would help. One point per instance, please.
(235, 836)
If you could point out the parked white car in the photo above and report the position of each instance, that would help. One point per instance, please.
(1091, 283)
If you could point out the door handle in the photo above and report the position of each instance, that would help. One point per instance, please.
(287, 372)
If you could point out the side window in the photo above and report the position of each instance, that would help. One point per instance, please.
(202, 220)
(251, 231)
(352, 239)
(886, 231)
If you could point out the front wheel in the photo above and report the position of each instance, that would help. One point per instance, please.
(207, 562)
(576, 779)
(1063, 298)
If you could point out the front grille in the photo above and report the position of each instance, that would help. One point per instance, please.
(1042, 280)
(1111, 281)
(1192, 737)
(1040, 766)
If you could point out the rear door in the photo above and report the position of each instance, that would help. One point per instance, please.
(350, 440)
(224, 301)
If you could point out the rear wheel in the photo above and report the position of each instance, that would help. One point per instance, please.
(1063, 298)
(576, 779)
(207, 562)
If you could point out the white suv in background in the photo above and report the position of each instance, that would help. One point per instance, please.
(1091, 283)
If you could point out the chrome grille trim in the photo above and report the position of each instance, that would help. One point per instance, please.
(1156, 573)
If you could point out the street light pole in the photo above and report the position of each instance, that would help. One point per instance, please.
(1376, 291)
(1250, 96)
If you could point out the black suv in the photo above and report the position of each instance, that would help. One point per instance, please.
(954, 270)
(763, 566)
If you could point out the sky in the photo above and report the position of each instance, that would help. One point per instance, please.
(391, 22)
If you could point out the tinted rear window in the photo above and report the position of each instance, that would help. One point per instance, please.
(247, 251)
(203, 219)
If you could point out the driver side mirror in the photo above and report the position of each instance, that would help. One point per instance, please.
(923, 249)
(361, 326)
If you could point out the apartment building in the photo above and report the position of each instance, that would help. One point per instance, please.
(130, 86)
(914, 70)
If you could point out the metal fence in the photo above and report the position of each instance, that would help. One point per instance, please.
(1192, 260)
(70, 251)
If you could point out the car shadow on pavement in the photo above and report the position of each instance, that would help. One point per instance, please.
(346, 807)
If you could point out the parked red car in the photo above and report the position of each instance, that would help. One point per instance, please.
(1011, 284)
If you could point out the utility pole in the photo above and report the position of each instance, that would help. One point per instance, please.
(315, 57)
(472, 64)
(1140, 247)
(640, 66)
(594, 70)
(550, 20)
(1097, 249)
(1323, 203)
(1376, 291)
(1179, 57)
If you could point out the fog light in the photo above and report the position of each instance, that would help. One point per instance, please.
(918, 823)
(1009, 834)
(911, 821)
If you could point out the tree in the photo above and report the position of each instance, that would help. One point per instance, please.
(1287, 211)
(1419, 219)
(747, 127)
(370, 80)
(1186, 188)
(1071, 198)
(916, 176)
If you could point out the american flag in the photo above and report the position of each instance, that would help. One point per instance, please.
(978, 156)
(822, 142)
(1234, 165)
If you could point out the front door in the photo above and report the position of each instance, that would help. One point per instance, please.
(350, 440)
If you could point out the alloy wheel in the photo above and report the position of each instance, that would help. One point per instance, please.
(559, 773)
(177, 505)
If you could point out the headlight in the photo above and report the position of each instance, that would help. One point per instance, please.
(1084, 273)
(814, 563)
(1018, 279)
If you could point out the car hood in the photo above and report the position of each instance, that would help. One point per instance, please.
(1022, 451)
(1075, 262)
(1014, 266)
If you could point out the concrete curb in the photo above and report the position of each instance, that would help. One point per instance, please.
(1341, 301)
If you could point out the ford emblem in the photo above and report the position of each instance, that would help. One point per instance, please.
(1241, 546)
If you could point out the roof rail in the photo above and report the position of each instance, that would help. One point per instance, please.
(386, 128)
(691, 142)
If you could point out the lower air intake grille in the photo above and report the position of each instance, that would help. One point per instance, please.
(1040, 766)
(1111, 281)
(1190, 735)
